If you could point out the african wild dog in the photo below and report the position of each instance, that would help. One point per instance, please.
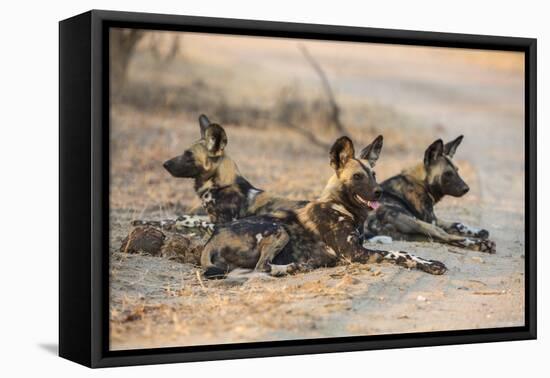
(321, 233)
(225, 194)
(407, 205)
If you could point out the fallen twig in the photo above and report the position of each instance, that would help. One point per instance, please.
(308, 134)
(200, 279)
(493, 292)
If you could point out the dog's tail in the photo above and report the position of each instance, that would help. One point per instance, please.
(198, 222)
(235, 277)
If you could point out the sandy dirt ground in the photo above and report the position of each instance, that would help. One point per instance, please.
(410, 95)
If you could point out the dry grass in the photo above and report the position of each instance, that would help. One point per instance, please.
(200, 310)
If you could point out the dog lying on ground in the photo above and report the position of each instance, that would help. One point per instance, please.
(225, 194)
(407, 206)
(321, 233)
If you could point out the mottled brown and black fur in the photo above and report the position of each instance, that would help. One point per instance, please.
(225, 194)
(407, 205)
(321, 233)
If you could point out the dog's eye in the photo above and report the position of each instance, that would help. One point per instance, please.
(358, 176)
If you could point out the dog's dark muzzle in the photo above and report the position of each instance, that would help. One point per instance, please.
(175, 167)
(180, 167)
(169, 165)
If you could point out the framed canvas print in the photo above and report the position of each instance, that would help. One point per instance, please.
(234, 188)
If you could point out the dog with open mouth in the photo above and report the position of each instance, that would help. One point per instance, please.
(322, 233)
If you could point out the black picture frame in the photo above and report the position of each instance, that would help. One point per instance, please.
(84, 187)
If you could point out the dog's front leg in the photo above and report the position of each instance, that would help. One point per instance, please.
(401, 258)
(459, 228)
(269, 247)
(411, 225)
(347, 243)
(354, 251)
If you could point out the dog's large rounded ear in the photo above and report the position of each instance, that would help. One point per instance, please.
(450, 148)
(216, 140)
(371, 153)
(204, 122)
(341, 152)
(434, 152)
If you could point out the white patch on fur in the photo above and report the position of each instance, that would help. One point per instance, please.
(208, 225)
(349, 239)
(259, 238)
(207, 197)
(420, 260)
(381, 239)
(330, 251)
(394, 255)
(340, 219)
(192, 221)
(342, 209)
(465, 229)
(210, 143)
(279, 270)
(468, 242)
(252, 193)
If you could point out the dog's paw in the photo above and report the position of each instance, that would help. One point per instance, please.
(282, 270)
(482, 234)
(480, 245)
(433, 267)
(487, 246)
(292, 268)
(465, 230)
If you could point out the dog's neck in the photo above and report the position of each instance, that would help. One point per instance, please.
(223, 176)
(419, 176)
(333, 192)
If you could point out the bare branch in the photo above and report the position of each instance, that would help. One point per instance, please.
(308, 134)
(335, 109)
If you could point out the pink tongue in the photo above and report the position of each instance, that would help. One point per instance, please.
(374, 205)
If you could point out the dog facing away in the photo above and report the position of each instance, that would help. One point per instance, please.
(225, 194)
(321, 233)
(407, 205)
